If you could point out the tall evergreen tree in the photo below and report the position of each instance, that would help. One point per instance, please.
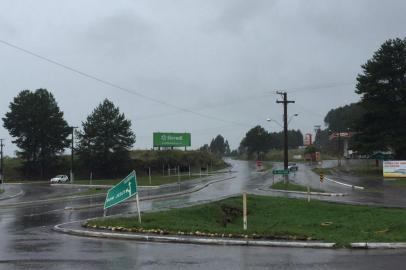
(105, 141)
(39, 129)
(219, 146)
(257, 140)
(382, 87)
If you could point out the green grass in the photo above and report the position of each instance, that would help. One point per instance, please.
(358, 170)
(1, 190)
(156, 180)
(292, 187)
(91, 191)
(275, 218)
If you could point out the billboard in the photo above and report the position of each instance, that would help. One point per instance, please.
(394, 168)
(170, 139)
(308, 139)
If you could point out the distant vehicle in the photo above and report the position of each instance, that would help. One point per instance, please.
(60, 179)
(293, 167)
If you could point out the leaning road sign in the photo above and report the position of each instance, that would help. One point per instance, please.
(122, 191)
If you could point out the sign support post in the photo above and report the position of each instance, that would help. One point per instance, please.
(149, 174)
(138, 208)
(244, 203)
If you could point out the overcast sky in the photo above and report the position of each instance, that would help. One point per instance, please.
(219, 61)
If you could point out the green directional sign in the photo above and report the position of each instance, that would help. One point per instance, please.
(122, 191)
(170, 139)
(280, 171)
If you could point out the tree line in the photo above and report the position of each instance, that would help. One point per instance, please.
(378, 120)
(41, 133)
(256, 141)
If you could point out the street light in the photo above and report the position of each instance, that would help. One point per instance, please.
(279, 124)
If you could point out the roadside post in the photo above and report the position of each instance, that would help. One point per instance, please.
(149, 175)
(308, 192)
(91, 177)
(244, 203)
(178, 176)
(121, 192)
(189, 170)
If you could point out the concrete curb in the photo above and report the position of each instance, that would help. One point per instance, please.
(163, 196)
(191, 240)
(344, 184)
(6, 197)
(366, 245)
(305, 193)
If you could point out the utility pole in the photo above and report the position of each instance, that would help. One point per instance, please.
(339, 148)
(285, 102)
(1, 162)
(71, 155)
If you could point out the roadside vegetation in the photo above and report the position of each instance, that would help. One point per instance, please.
(361, 168)
(292, 187)
(141, 161)
(156, 180)
(272, 218)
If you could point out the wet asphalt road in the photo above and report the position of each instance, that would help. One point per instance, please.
(27, 241)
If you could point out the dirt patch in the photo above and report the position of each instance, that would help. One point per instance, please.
(229, 214)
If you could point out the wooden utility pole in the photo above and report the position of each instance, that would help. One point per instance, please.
(285, 102)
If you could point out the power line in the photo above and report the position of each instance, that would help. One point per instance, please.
(224, 104)
(111, 84)
(321, 87)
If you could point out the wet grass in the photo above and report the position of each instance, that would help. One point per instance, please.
(156, 180)
(292, 187)
(274, 218)
(91, 191)
(357, 170)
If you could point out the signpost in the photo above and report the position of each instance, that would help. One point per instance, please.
(123, 191)
(169, 139)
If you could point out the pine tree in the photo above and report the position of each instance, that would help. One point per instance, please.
(39, 129)
(105, 141)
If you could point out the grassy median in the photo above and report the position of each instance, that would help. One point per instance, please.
(273, 218)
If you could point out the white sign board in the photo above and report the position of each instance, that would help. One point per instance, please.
(394, 168)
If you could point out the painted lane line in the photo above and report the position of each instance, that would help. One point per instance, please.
(344, 184)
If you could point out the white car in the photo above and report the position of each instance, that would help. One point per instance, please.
(60, 179)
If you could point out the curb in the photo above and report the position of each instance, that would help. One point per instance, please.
(344, 184)
(366, 245)
(12, 196)
(191, 240)
(306, 193)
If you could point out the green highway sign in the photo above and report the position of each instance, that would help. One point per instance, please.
(280, 171)
(122, 191)
(170, 139)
